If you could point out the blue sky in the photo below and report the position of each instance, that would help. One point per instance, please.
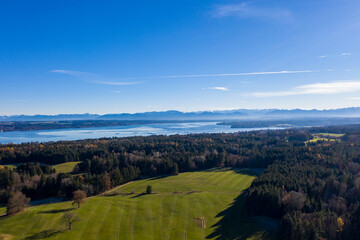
(64, 56)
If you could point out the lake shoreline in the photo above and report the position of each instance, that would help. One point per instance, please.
(53, 135)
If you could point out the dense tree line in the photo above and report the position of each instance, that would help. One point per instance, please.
(314, 189)
(66, 124)
(54, 185)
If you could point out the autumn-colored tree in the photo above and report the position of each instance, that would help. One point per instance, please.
(340, 224)
(17, 203)
(79, 197)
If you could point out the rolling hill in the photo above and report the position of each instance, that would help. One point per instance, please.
(195, 205)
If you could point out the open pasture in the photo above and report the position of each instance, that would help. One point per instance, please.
(195, 205)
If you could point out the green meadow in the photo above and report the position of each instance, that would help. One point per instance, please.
(67, 167)
(194, 205)
(8, 166)
(325, 137)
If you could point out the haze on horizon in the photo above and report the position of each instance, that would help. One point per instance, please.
(60, 57)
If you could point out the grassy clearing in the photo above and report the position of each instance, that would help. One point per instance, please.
(334, 135)
(325, 137)
(65, 167)
(317, 139)
(197, 205)
(2, 210)
(8, 166)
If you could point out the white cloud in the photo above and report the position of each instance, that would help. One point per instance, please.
(72, 73)
(316, 88)
(245, 10)
(111, 81)
(237, 74)
(346, 54)
(90, 78)
(116, 83)
(353, 98)
(322, 56)
(219, 88)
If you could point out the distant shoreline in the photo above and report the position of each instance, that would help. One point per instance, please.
(51, 125)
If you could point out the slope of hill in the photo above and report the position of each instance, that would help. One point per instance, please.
(195, 205)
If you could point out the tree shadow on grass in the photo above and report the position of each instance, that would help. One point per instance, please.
(139, 195)
(56, 211)
(255, 172)
(234, 223)
(159, 177)
(44, 234)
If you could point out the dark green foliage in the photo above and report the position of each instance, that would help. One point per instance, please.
(32, 169)
(149, 189)
(310, 188)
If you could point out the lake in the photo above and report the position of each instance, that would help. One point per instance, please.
(118, 131)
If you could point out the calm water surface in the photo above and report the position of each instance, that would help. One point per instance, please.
(118, 131)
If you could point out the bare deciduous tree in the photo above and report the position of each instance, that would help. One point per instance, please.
(17, 203)
(293, 201)
(69, 218)
(79, 197)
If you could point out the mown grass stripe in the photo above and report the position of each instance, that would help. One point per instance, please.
(133, 219)
(219, 177)
(102, 219)
(85, 224)
(126, 232)
(172, 212)
(118, 222)
(151, 218)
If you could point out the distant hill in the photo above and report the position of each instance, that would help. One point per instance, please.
(239, 114)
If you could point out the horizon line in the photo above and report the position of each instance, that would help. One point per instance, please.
(174, 110)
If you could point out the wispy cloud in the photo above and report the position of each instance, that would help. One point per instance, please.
(346, 54)
(116, 83)
(218, 88)
(117, 91)
(246, 10)
(237, 74)
(353, 98)
(72, 73)
(92, 78)
(316, 88)
(322, 56)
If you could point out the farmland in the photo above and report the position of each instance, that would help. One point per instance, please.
(195, 205)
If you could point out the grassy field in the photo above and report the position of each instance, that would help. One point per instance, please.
(325, 137)
(65, 167)
(8, 166)
(197, 205)
(2, 210)
(334, 135)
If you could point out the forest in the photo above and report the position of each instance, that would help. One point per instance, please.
(66, 124)
(313, 188)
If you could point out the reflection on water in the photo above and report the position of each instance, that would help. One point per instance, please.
(119, 131)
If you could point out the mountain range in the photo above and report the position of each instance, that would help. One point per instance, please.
(238, 114)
